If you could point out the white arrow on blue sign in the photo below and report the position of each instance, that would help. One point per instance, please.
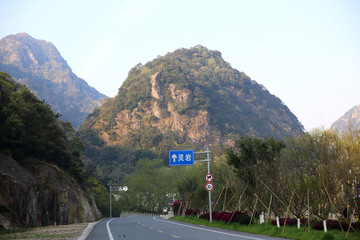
(181, 157)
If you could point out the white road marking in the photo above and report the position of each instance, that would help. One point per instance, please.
(108, 229)
(209, 230)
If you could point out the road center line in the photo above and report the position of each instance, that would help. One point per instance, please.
(108, 229)
(205, 229)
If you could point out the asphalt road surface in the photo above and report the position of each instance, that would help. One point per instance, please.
(139, 227)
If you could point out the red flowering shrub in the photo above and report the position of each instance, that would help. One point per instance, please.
(207, 215)
(303, 220)
(190, 212)
(318, 225)
(226, 217)
(356, 225)
(273, 222)
(289, 221)
(336, 225)
(218, 215)
(331, 224)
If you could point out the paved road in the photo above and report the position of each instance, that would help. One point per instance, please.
(137, 227)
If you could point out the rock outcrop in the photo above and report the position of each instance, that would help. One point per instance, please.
(41, 194)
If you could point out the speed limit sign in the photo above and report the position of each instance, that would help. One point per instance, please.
(209, 187)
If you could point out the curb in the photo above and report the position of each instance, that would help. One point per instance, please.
(87, 231)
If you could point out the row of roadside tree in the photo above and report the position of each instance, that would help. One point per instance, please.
(316, 174)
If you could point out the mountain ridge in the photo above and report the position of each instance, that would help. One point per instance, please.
(40, 66)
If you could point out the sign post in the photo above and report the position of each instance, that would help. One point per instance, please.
(209, 177)
(186, 157)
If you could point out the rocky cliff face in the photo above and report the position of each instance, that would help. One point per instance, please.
(163, 115)
(39, 65)
(41, 195)
(349, 122)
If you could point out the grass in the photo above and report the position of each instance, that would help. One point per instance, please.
(38, 236)
(14, 230)
(26, 235)
(291, 232)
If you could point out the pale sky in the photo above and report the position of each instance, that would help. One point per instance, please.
(306, 52)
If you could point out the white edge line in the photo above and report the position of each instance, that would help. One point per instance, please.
(209, 230)
(108, 229)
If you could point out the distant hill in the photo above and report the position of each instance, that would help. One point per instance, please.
(190, 97)
(350, 121)
(39, 65)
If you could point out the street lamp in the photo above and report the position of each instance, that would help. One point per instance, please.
(119, 189)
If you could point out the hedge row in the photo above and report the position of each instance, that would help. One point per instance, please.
(237, 216)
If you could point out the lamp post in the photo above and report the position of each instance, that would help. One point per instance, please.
(119, 189)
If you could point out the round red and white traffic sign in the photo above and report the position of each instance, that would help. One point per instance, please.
(209, 177)
(209, 187)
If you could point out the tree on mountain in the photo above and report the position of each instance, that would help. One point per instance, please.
(30, 128)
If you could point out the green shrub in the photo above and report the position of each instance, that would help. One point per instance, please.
(243, 219)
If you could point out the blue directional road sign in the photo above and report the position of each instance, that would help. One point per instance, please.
(181, 157)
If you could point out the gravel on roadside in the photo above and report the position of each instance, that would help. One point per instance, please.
(71, 231)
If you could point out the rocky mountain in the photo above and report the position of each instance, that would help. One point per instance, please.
(190, 96)
(350, 121)
(39, 65)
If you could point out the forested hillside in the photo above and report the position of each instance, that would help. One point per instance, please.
(42, 179)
